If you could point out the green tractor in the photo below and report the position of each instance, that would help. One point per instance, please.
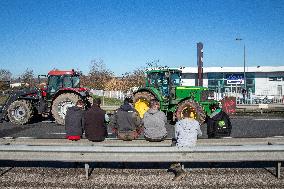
(165, 86)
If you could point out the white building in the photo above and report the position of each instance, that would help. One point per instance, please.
(260, 80)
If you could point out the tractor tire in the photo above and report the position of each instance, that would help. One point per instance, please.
(61, 104)
(20, 112)
(195, 108)
(142, 102)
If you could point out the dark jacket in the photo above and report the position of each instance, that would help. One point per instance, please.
(74, 121)
(124, 119)
(95, 129)
(219, 124)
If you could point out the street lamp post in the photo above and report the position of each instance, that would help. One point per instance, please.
(245, 86)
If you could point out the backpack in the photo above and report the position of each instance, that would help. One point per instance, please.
(223, 125)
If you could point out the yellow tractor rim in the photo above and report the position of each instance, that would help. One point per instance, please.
(142, 106)
(192, 112)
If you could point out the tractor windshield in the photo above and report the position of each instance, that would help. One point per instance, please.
(56, 82)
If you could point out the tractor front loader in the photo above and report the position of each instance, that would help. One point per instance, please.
(61, 91)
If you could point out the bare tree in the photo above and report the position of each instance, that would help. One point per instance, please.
(28, 77)
(133, 79)
(5, 75)
(99, 75)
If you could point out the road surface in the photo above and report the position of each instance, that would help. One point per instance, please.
(256, 126)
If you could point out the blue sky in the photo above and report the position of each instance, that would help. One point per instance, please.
(125, 34)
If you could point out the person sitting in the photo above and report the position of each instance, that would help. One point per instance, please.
(218, 123)
(74, 121)
(95, 118)
(154, 123)
(186, 132)
(126, 122)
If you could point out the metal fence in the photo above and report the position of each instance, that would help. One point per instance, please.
(110, 94)
(251, 98)
(240, 98)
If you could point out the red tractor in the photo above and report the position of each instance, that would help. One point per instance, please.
(62, 91)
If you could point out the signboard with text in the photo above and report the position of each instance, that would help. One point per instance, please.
(235, 78)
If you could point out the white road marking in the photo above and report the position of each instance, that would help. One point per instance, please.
(268, 119)
(65, 133)
(26, 137)
(48, 121)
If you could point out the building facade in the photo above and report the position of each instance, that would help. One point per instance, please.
(260, 80)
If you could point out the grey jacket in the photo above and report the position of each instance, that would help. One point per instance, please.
(154, 124)
(126, 118)
(186, 132)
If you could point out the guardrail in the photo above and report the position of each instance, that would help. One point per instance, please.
(155, 152)
(239, 108)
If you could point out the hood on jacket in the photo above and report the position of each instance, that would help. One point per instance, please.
(152, 111)
(75, 108)
(218, 115)
(126, 107)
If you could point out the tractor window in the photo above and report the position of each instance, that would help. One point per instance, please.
(76, 81)
(54, 83)
(175, 79)
(67, 82)
(71, 81)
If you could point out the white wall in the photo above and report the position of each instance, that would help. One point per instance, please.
(188, 82)
(262, 84)
(265, 87)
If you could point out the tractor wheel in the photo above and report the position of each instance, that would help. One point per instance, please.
(142, 102)
(61, 104)
(20, 112)
(196, 110)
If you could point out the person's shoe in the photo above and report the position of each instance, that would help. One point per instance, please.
(174, 142)
(174, 166)
(179, 175)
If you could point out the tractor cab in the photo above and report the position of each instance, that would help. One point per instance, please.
(61, 80)
(164, 81)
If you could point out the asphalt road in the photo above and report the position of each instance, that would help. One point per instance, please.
(199, 175)
(257, 126)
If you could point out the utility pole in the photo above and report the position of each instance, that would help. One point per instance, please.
(200, 64)
(245, 83)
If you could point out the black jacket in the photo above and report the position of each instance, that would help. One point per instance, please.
(95, 129)
(74, 121)
(126, 118)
